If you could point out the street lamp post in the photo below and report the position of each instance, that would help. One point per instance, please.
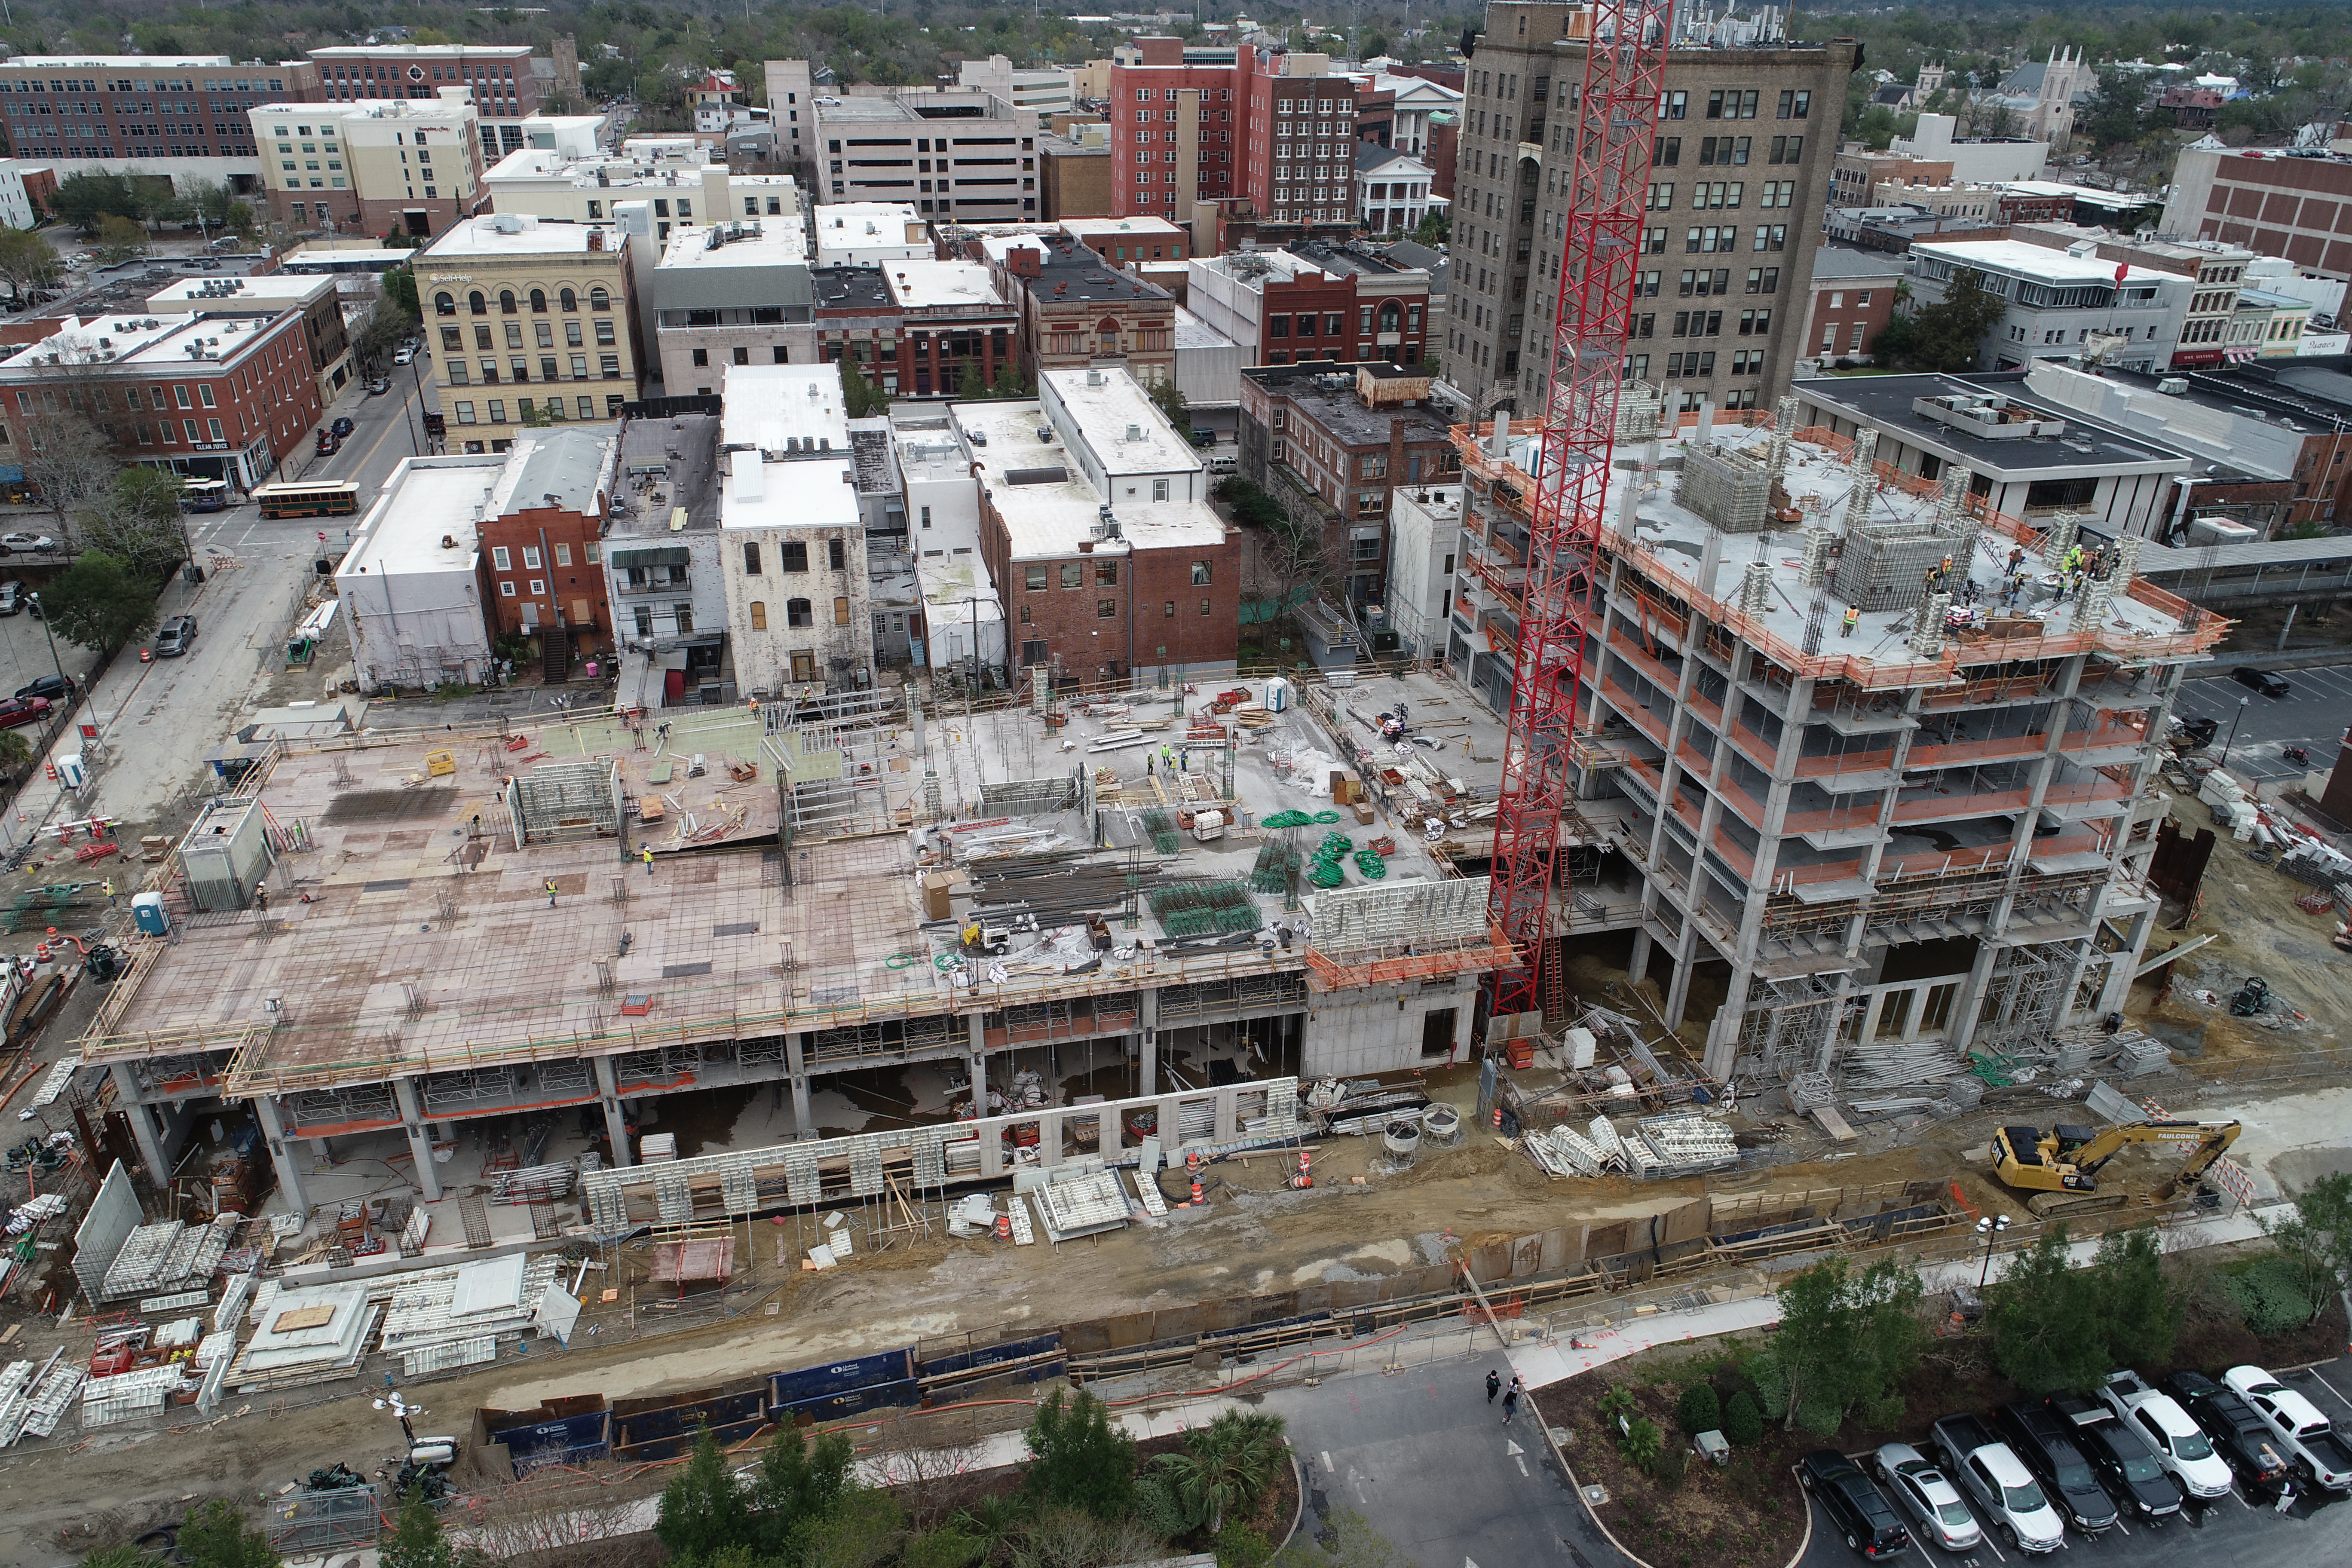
(2240, 713)
(1989, 1227)
(44, 617)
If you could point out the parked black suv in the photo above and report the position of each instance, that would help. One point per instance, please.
(2041, 1441)
(1853, 1504)
(2127, 1468)
(2239, 1436)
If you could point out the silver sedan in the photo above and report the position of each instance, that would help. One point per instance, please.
(1920, 1490)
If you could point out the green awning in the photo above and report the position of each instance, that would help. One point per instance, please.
(651, 555)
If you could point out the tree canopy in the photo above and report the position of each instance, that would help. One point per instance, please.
(1847, 1340)
(1947, 335)
(2057, 1327)
(100, 603)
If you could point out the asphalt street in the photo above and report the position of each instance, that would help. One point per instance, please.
(157, 721)
(2229, 1533)
(1428, 1464)
(2314, 715)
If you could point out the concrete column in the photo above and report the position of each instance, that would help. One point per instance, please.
(1147, 1060)
(1229, 1115)
(992, 1142)
(1965, 1006)
(1171, 1123)
(420, 1138)
(2119, 977)
(1465, 1004)
(1111, 1133)
(142, 1125)
(1639, 965)
(1049, 1137)
(1686, 950)
(282, 1152)
(617, 1126)
(796, 1066)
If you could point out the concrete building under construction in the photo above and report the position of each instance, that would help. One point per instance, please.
(1880, 841)
(471, 954)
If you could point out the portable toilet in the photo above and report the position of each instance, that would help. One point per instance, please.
(71, 772)
(1277, 694)
(147, 909)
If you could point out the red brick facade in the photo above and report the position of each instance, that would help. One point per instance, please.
(1159, 613)
(553, 561)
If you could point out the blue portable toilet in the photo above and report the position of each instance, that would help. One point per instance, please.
(147, 909)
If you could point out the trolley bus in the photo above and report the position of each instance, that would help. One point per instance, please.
(321, 498)
(203, 495)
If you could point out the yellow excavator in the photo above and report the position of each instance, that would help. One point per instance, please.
(2059, 1167)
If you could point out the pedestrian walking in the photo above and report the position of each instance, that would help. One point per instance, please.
(551, 892)
(109, 885)
(649, 860)
(1511, 1403)
(1852, 619)
(1494, 1386)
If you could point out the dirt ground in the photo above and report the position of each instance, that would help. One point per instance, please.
(2250, 909)
(1255, 1235)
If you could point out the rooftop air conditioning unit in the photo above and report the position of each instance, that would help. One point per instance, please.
(1046, 434)
(1135, 432)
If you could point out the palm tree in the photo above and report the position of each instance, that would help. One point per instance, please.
(1226, 1464)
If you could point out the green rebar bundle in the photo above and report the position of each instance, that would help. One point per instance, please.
(1204, 908)
(1162, 828)
(1287, 819)
(1372, 864)
(1276, 863)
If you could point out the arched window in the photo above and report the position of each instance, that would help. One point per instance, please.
(797, 612)
(445, 303)
(477, 304)
(1390, 317)
(538, 301)
(568, 300)
(506, 302)
(759, 615)
(1107, 331)
(598, 300)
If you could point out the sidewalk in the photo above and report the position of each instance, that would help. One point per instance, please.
(1538, 1364)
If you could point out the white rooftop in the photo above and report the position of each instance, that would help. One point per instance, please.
(43, 62)
(843, 229)
(741, 242)
(371, 108)
(282, 288)
(775, 416)
(1153, 228)
(1050, 518)
(427, 499)
(145, 340)
(1118, 421)
(529, 236)
(531, 164)
(935, 284)
(2039, 262)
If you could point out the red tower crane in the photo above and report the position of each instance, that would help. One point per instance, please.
(1610, 124)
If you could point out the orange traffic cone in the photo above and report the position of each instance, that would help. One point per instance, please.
(1004, 1227)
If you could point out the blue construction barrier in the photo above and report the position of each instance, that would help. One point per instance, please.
(996, 1355)
(904, 1393)
(671, 1430)
(789, 1389)
(574, 1440)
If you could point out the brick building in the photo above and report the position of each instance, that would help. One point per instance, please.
(1852, 299)
(1075, 309)
(506, 83)
(1073, 177)
(541, 539)
(315, 298)
(1276, 129)
(1324, 302)
(182, 118)
(1332, 442)
(208, 396)
(2298, 209)
(1101, 540)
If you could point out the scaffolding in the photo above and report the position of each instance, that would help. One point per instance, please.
(1729, 488)
(562, 802)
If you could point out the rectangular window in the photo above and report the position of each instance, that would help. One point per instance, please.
(791, 555)
(563, 556)
(751, 561)
(1106, 609)
(530, 557)
(1034, 578)
(505, 590)
(1201, 576)
(537, 587)
(1204, 607)
(1107, 573)
(499, 559)
(841, 612)
(1073, 574)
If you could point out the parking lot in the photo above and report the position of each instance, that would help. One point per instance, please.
(2314, 715)
(2230, 1534)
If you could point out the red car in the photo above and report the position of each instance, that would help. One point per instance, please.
(17, 710)
(329, 443)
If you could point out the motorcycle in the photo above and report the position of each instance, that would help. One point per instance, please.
(2298, 755)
